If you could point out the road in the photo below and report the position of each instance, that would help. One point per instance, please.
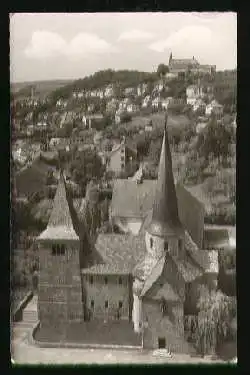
(23, 352)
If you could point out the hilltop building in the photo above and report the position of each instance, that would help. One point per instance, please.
(184, 66)
(150, 281)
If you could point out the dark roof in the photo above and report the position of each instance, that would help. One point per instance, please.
(182, 63)
(63, 222)
(165, 218)
(118, 254)
(130, 199)
(32, 178)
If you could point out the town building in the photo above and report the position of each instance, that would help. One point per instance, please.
(194, 92)
(121, 157)
(214, 108)
(185, 66)
(151, 281)
(90, 121)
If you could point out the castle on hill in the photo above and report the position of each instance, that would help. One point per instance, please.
(151, 280)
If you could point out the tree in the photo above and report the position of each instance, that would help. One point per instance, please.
(214, 319)
(92, 210)
(155, 151)
(162, 70)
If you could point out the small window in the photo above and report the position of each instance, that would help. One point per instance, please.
(122, 165)
(58, 249)
(180, 244)
(54, 248)
(92, 304)
(151, 242)
(106, 304)
(61, 249)
(122, 158)
(122, 150)
(166, 246)
(120, 304)
(106, 280)
(120, 280)
(91, 280)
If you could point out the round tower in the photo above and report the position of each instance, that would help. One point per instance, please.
(165, 232)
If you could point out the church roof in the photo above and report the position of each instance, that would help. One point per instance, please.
(63, 222)
(118, 254)
(183, 63)
(130, 199)
(165, 218)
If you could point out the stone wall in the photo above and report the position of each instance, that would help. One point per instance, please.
(59, 290)
(169, 326)
(112, 292)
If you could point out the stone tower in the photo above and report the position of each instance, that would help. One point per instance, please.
(60, 290)
(165, 232)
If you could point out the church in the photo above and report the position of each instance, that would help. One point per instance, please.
(151, 280)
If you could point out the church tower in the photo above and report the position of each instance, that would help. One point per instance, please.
(165, 232)
(60, 289)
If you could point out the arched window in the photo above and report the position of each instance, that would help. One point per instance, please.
(165, 246)
(151, 242)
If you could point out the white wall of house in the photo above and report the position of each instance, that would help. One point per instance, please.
(129, 225)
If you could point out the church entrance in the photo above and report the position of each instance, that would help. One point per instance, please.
(161, 342)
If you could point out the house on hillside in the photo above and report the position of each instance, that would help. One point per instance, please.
(90, 121)
(214, 108)
(144, 284)
(61, 103)
(121, 157)
(141, 89)
(146, 102)
(109, 91)
(173, 103)
(193, 93)
(132, 108)
(156, 102)
(199, 105)
(129, 91)
(185, 66)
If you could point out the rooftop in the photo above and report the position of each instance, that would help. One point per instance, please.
(119, 253)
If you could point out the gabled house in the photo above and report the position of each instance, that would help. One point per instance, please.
(194, 92)
(120, 158)
(199, 105)
(214, 108)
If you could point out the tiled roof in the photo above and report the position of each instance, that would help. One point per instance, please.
(206, 259)
(63, 220)
(58, 233)
(130, 199)
(143, 269)
(119, 253)
(165, 218)
(182, 63)
(156, 272)
(188, 269)
(167, 292)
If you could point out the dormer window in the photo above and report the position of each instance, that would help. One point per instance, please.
(151, 243)
(165, 246)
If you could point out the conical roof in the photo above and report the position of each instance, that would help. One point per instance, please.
(62, 222)
(165, 218)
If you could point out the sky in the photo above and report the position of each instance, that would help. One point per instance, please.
(50, 46)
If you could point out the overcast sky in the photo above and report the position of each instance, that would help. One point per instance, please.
(46, 46)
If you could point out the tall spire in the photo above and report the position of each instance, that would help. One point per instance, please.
(165, 218)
